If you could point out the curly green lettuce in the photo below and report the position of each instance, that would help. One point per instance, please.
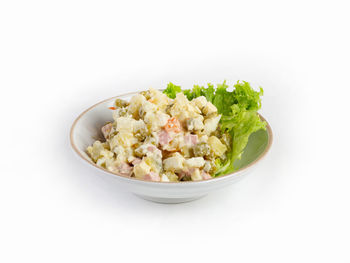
(239, 114)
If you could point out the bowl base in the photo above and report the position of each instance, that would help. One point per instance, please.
(164, 200)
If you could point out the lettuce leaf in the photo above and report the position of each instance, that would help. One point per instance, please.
(239, 114)
(171, 90)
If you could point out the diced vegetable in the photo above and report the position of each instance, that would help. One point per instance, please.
(119, 103)
(201, 149)
(173, 125)
(217, 146)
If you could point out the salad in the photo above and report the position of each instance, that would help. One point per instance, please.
(179, 135)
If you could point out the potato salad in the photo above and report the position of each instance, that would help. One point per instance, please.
(156, 138)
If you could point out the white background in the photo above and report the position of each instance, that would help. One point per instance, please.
(59, 57)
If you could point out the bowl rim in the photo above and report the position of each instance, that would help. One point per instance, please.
(237, 172)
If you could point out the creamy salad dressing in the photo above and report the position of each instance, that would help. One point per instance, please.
(157, 138)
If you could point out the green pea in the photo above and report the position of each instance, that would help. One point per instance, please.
(121, 103)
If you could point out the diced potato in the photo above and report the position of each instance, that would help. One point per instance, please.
(162, 118)
(209, 108)
(104, 157)
(121, 155)
(171, 176)
(159, 98)
(217, 146)
(198, 123)
(106, 130)
(175, 143)
(129, 152)
(139, 125)
(164, 178)
(156, 165)
(140, 128)
(196, 162)
(200, 102)
(141, 150)
(125, 124)
(120, 159)
(195, 124)
(89, 150)
(141, 169)
(113, 142)
(174, 163)
(181, 99)
(202, 138)
(211, 124)
(135, 103)
(95, 150)
(196, 175)
(101, 162)
(111, 165)
(147, 107)
(118, 150)
(125, 139)
(152, 139)
(180, 113)
(107, 154)
(186, 151)
(182, 109)
(156, 120)
(150, 119)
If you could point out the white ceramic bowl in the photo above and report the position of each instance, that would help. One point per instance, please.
(86, 129)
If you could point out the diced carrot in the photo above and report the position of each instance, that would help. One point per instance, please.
(173, 125)
(112, 108)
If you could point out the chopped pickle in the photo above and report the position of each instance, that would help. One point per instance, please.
(122, 112)
(141, 112)
(146, 94)
(168, 108)
(201, 149)
(140, 136)
(121, 103)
